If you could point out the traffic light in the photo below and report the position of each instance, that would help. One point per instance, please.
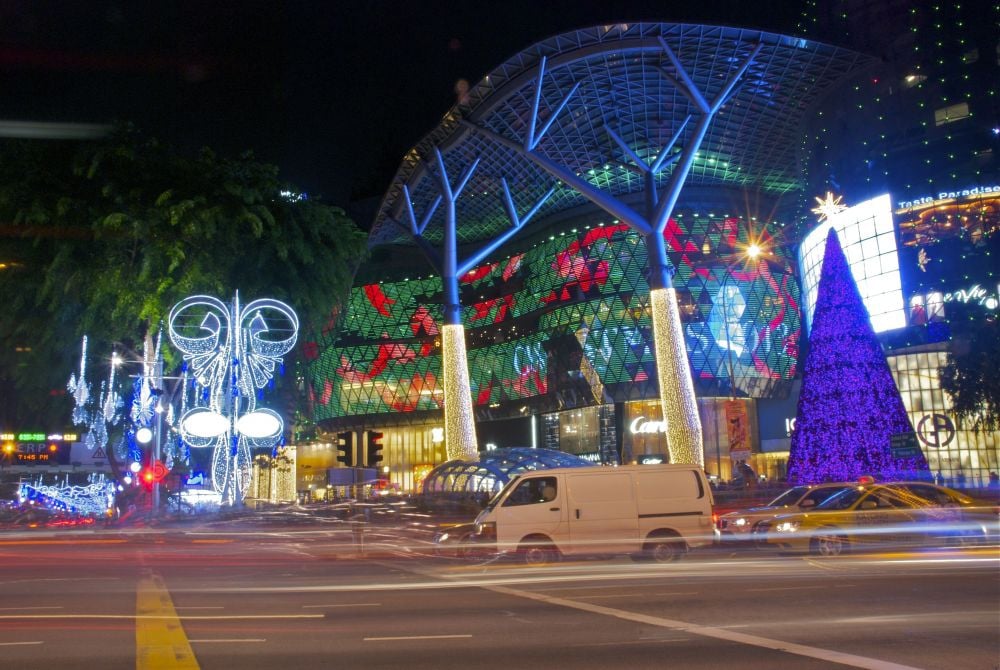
(345, 448)
(373, 447)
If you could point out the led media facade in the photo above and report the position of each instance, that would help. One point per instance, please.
(566, 323)
(868, 238)
(948, 250)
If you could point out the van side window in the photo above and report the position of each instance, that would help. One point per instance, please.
(532, 491)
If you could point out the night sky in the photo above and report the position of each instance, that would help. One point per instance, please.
(334, 93)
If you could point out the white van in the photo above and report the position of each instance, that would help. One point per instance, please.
(654, 511)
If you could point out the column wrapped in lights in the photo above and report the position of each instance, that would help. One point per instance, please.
(680, 406)
(459, 426)
(680, 411)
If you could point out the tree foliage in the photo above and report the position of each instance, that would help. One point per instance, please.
(972, 374)
(103, 238)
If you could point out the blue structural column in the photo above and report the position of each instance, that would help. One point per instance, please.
(459, 421)
(680, 410)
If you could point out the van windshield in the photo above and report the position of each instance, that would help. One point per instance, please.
(495, 500)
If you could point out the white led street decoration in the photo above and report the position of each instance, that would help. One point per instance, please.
(94, 498)
(105, 411)
(232, 351)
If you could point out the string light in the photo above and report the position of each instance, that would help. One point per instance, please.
(232, 353)
(849, 406)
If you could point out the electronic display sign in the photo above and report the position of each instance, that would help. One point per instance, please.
(36, 448)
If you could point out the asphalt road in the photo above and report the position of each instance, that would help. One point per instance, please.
(309, 596)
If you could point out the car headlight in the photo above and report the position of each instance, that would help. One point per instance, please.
(486, 531)
(787, 527)
(740, 522)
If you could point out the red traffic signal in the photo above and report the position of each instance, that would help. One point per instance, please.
(153, 474)
(373, 447)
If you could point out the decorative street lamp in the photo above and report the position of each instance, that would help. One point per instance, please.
(232, 351)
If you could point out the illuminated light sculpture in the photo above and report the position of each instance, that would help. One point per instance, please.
(677, 396)
(94, 498)
(107, 404)
(232, 351)
(80, 389)
(828, 207)
(849, 407)
(460, 429)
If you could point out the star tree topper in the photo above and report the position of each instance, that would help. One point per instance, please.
(828, 207)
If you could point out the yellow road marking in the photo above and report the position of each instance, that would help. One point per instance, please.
(160, 641)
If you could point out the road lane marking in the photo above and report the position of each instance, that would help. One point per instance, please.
(40, 607)
(345, 605)
(636, 595)
(63, 579)
(162, 617)
(15, 644)
(788, 588)
(74, 541)
(711, 631)
(413, 637)
(200, 607)
(160, 641)
(233, 640)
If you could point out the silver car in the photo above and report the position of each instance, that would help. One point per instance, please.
(744, 525)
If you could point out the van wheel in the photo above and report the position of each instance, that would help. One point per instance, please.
(666, 549)
(537, 551)
(828, 543)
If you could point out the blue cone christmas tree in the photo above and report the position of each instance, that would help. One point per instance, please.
(849, 406)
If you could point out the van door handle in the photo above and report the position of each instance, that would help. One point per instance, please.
(553, 509)
(578, 514)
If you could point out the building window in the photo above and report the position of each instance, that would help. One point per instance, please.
(951, 113)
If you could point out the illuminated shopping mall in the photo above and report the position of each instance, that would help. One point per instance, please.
(540, 170)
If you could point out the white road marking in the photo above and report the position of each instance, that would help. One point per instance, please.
(636, 595)
(230, 640)
(15, 644)
(414, 637)
(712, 631)
(788, 588)
(344, 605)
(40, 607)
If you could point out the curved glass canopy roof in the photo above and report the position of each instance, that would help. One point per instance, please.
(495, 469)
(625, 88)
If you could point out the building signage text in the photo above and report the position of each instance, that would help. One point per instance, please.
(949, 195)
(640, 426)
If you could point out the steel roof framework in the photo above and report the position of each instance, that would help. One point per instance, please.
(626, 96)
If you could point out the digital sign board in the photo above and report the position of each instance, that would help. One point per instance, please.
(36, 448)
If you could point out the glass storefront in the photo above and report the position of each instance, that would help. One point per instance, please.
(957, 457)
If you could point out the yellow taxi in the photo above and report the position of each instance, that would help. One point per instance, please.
(868, 514)
(744, 525)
